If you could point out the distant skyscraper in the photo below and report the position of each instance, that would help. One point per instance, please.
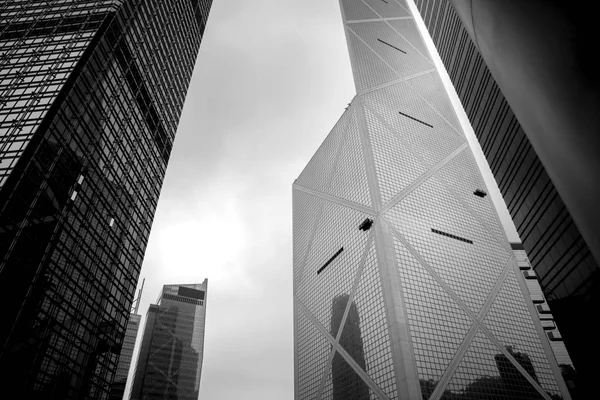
(117, 390)
(90, 97)
(392, 219)
(169, 364)
(118, 387)
(568, 273)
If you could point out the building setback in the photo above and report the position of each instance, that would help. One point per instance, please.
(393, 225)
(567, 271)
(169, 363)
(91, 92)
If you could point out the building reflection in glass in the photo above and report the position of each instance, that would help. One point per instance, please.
(347, 384)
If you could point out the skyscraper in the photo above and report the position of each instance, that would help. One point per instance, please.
(568, 273)
(169, 364)
(547, 320)
(117, 390)
(120, 381)
(91, 93)
(392, 212)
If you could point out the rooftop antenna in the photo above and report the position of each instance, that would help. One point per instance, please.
(136, 303)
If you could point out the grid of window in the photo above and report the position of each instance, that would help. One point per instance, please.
(313, 352)
(485, 373)
(375, 33)
(318, 172)
(173, 359)
(372, 71)
(307, 209)
(337, 228)
(460, 174)
(368, 325)
(387, 9)
(349, 180)
(427, 144)
(438, 325)
(395, 165)
(357, 10)
(428, 85)
(520, 334)
(558, 253)
(410, 129)
(91, 95)
(470, 270)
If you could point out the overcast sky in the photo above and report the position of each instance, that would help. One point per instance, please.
(271, 79)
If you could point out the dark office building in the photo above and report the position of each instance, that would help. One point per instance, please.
(90, 96)
(568, 273)
(346, 383)
(169, 364)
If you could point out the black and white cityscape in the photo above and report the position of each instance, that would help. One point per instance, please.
(392, 200)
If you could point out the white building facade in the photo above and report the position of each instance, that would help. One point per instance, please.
(405, 285)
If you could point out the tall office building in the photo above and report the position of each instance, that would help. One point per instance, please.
(91, 94)
(169, 363)
(120, 381)
(547, 320)
(392, 214)
(117, 390)
(568, 273)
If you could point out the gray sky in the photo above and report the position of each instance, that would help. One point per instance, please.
(271, 80)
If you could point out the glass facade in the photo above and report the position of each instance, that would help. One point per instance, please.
(169, 364)
(427, 301)
(117, 390)
(91, 93)
(568, 274)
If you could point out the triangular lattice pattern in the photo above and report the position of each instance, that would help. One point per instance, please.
(357, 10)
(395, 165)
(305, 219)
(406, 257)
(317, 173)
(387, 9)
(349, 179)
(322, 279)
(386, 43)
(366, 335)
(438, 325)
(469, 261)
(426, 133)
(462, 175)
(520, 334)
(313, 353)
(485, 373)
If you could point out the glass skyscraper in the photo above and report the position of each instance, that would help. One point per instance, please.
(568, 273)
(90, 96)
(405, 285)
(169, 363)
(120, 381)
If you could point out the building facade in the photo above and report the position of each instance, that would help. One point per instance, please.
(393, 224)
(169, 363)
(91, 93)
(117, 390)
(568, 273)
(544, 312)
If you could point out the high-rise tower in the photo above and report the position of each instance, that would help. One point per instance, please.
(392, 219)
(568, 273)
(91, 94)
(169, 364)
